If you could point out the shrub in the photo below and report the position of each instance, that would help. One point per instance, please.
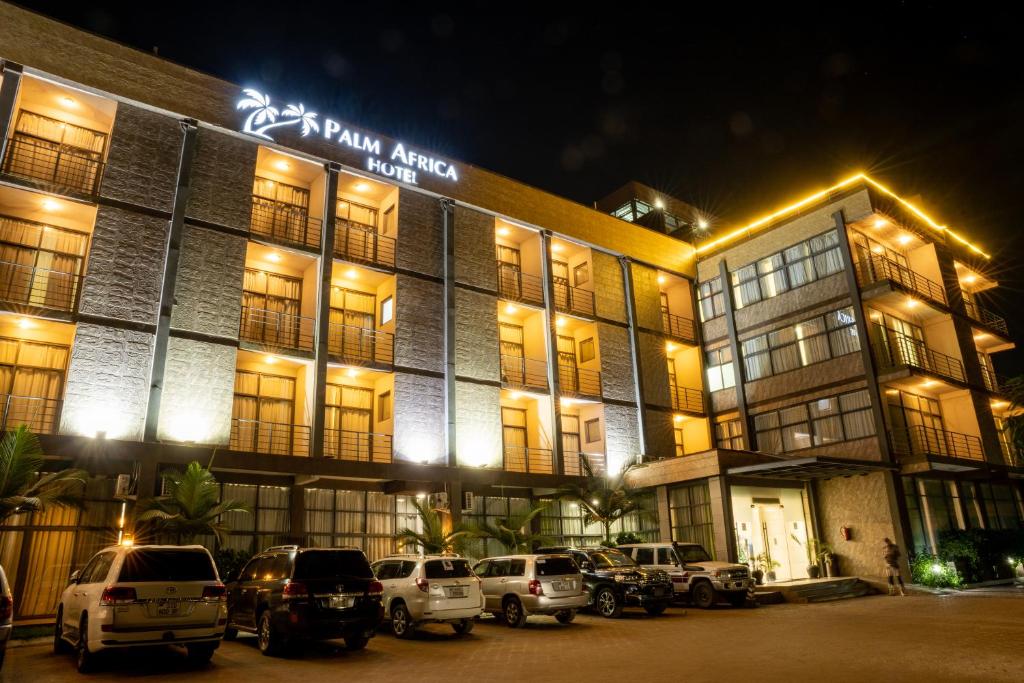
(929, 570)
(627, 537)
(982, 554)
(229, 562)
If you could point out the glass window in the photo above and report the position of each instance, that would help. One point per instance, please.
(387, 310)
(324, 564)
(690, 514)
(384, 406)
(644, 556)
(167, 565)
(711, 299)
(592, 430)
(858, 420)
(795, 431)
(745, 286)
(517, 568)
(556, 566)
(729, 434)
(766, 428)
(720, 369)
(447, 569)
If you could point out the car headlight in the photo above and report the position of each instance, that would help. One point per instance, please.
(620, 578)
(718, 574)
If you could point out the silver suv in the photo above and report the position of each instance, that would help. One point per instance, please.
(694, 574)
(516, 586)
(422, 589)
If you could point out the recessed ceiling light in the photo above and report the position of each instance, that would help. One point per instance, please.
(677, 418)
(661, 279)
(50, 204)
(269, 360)
(68, 101)
(670, 347)
(282, 165)
(658, 204)
(911, 303)
(351, 273)
(25, 323)
(879, 223)
(559, 321)
(503, 232)
(970, 279)
(361, 187)
(702, 224)
(273, 256)
(515, 395)
(556, 247)
(352, 372)
(510, 309)
(904, 238)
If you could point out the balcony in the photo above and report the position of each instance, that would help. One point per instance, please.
(342, 444)
(362, 244)
(576, 382)
(529, 374)
(986, 318)
(53, 164)
(899, 350)
(530, 460)
(275, 330)
(31, 286)
(573, 300)
(878, 268)
(687, 399)
(574, 463)
(361, 346)
(285, 223)
(515, 285)
(678, 327)
(254, 436)
(41, 415)
(930, 441)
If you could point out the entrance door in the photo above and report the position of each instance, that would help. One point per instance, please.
(568, 377)
(348, 422)
(571, 444)
(560, 280)
(352, 331)
(513, 439)
(771, 540)
(513, 355)
(510, 271)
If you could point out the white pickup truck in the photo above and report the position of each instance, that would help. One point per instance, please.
(694, 574)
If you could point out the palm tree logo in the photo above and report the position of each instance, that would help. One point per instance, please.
(264, 116)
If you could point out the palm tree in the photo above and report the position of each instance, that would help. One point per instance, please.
(604, 499)
(191, 507)
(434, 538)
(513, 531)
(23, 488)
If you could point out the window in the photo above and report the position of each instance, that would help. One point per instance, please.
(592, 430)
(384, 406)
(581, 274)
(690, 514)
(644, 556)
(817, 423)
(388, 224)
(805, 343)
(711, 299)
(145, 565)
(387, 310)
(793, 267)
(720, 369)
(729, 434)
(587, 350)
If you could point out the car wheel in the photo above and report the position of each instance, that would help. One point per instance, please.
(200, 653)
(608, 604)
(656, 609)
(60, 646)
(401, 622)
(703, 595)
(356, 642)
(566, 616)
(514, 615)
(230, 633)
(85, 660)
(267, 638)
(736, 599)
(463, 627)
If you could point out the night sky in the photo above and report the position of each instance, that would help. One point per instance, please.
(735, 112)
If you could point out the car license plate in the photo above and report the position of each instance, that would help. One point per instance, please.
(341, 601)
(561, 585)
(456, 591)
(166, 608)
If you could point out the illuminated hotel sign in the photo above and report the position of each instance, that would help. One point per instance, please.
(400, 162)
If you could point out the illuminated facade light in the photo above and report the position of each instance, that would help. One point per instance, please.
(503, 232)
(904, 238)
(362, 187)
(702, 224)
(559, 321)
(661, 279)
(50, 205)
(282, 165)
(274, 257)
(25, 323)
(68, 102)
(352, 273)
(510, 309)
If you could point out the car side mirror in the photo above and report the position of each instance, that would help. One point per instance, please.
(587, 566)
(75, 576)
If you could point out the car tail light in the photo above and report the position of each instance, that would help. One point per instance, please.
(376, 588)
(423, 585)
(215, 593)
(294, 589)
(536, 588)
(6, 607)
(117, 595)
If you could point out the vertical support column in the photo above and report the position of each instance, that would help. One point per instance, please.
(323, 309)
(698, 335)
(721, 516)
(634, 352)
(455, 502)
(551, 343)
(8, 95)
(737, 362)
(448, 221)
(664, 513)
(297, 512)
(172, 258)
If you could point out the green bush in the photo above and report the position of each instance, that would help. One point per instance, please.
(627, 537)
(982, 554)
(229, 562)
(929, 570)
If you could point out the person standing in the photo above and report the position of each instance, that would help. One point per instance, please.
(891, 554)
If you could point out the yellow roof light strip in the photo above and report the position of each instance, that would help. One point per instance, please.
(811, 199)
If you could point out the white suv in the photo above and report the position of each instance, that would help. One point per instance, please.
(429, 589)
(516, 586)
(694, 574)
(144, 595)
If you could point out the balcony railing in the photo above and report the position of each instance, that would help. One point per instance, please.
(878, 268)
(678, 327)
(275, 438)
(361, 345)
(899, 350)
(362, 244)
(276, 330)
(574, 381)
(993, 382)
(31, 286)
(531, 460)
(986, 317)
(574, 466)
(41, 415)
(284, 222)
(515, 285)
(573, 299)
(53, 163)
(685, 398)
(343, 444)
(920, 440)
(524, 373)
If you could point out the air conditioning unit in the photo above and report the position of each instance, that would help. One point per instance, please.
(438, 501)
(165, 487)
(123, 487)
(467, 501)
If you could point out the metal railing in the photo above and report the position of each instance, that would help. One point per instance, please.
(41, 415)
(515, 285)
(343, 444)
(898, 350)
(53, 163)
(986, 317)
(685, 398)
(573, 465)
(573, 299)
(531, 460)
(576, 381)
(678, 327)
(878, 268)
(923, 441)
(284, 222)
(275, 438)
(362, 243)
(276, 330)
(33, 286)
(993, 382)
(361, 345)
(524, 373)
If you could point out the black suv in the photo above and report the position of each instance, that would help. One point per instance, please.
(614, 581)
(288, 594)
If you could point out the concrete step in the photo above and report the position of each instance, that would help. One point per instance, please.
(769, 598)
(824, 590)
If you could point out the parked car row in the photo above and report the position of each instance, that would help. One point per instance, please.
(130, 596)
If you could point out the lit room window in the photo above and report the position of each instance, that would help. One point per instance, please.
(387, 310)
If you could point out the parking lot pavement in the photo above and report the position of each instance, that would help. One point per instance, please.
(877, 638)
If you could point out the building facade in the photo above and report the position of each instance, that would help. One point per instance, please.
(340, 322)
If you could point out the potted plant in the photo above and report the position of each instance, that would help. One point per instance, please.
(766, 566)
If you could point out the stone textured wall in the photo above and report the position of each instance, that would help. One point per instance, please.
(654, 367)
(715, 329)
(621, 435)
(661, 441)
(419, 324)
(420, 246)
(474, 249)
(609, 292)
(108, 382)
(646, 297)
(198, 392)
(126, 266)
(222, 179)
(208, 292)
(723, 400)
(861, 503)
(419, 419)
(478, 425)
(142, 164)
(616, 363)
(806, 379)
(476, 335)
(831, 287)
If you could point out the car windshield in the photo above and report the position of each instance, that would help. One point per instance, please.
(447, 569)
(332, 564)
(167, 565)
(556, 566)
(611, 558)
(692, 553)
